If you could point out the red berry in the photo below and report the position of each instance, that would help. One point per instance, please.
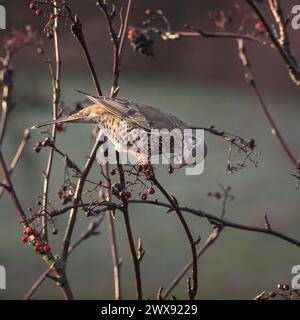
(24, 239)
(151, 190)
(60, 194)
(32, 6)
(47, 249)
(28, 230)
(38, 245)
(60, 127)
(49, 35)
(144, 196)
(38, 12)
(259, 26)
(37, 148)
(51, 143)
(53, 16)
(130, 34)
(128, 194)
(171, 170)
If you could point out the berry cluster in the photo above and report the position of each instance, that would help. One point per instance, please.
(144, 195)
(31, 237)
(141, 42)
(65, 195)
(45, 143)
(35, 6)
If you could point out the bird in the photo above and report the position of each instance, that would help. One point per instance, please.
(127, 123)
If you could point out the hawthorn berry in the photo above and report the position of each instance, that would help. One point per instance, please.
(144, 196)
(37, 148)
(24, 239)
(28, 230)
(150, 190)
(259, 26)
(285, 287)
(60, 194)
(47, 248)
(49, 35)
(113, 172)
(54, 231)
(128, 194)
(171, 170)
(37, 245)
(53, 16)
(131, 34)
(38, 12)
(60, 127)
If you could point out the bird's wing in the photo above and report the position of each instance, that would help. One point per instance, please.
(122, 109)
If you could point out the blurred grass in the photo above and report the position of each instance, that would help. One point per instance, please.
(238, 265)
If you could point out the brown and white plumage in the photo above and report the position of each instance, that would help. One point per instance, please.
(118, 117)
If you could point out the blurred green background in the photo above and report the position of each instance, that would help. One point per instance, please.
(202, 82)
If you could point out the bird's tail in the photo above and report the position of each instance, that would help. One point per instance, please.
(73, 118)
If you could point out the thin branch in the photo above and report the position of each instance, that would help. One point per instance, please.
(134, 256)
(90, 231)
(55, 104)
(281, 45)
(208, 242)
(20, 212)
(7, 81)
(78, 33)
(118, 42)
(192, 291)
(17, 156)
(250, 79)
(76, 201)
(222, 222)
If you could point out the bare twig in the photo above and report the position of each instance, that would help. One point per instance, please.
(192, 290)
(90, 231)
(117, 40)
(208, 242)
(249, 78)
(55, 104)
(281, 43)
(222, 222)
(17, 156)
